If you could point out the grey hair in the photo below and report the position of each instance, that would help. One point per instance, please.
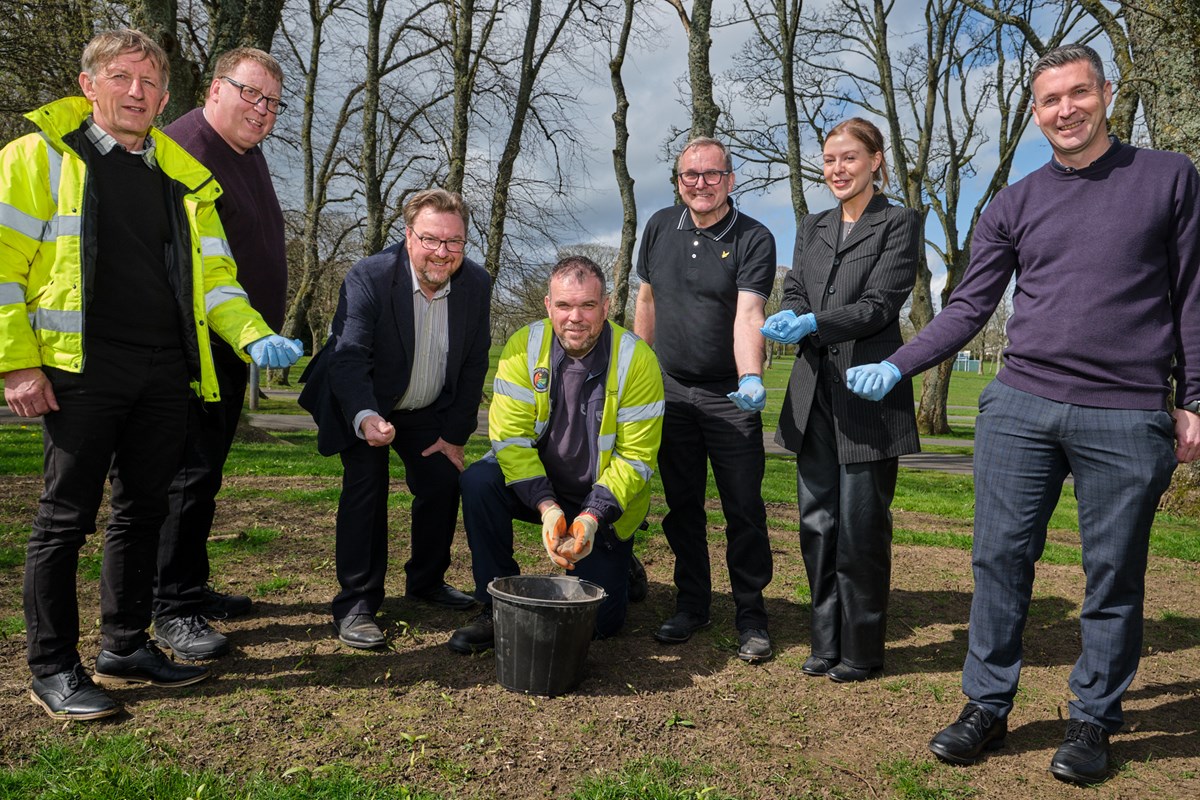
(706, 141)
(1068, 54)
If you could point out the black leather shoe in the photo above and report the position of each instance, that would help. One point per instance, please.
(975, 731)
(679, 628)
(754, 646)
(476, 636)
(217, 605)
(190, 638)
(844, 673)
(1083, 755)
(815, 665)
(70, 694)
(359, 630)
(147, 664)
(445, 596)
(639, 587)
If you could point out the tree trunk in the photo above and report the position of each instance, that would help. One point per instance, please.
(373, 235)
(532, 61)
(705, 110)
(624, 261)
(1164, 37)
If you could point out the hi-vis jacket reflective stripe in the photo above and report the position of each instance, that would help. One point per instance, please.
(630, 424)
(48, 241)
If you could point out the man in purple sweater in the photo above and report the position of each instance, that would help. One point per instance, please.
(1105, 244)
(241, 108)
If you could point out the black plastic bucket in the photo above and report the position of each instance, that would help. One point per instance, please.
(544, 624)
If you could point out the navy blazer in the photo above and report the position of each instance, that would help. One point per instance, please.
(367, 361)
(855, 289)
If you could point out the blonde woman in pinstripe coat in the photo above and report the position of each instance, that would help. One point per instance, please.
(854, 266)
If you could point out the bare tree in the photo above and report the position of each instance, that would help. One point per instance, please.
(698, 28)
(198, 32)
(535, 52)
(466, 60)
(623, 264)
(322, 165)
(40, 44)
(764, 74)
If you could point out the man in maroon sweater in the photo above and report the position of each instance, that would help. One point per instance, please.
(1105, 245)
(241, 108)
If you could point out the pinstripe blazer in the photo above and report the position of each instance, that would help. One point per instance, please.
(855, 289)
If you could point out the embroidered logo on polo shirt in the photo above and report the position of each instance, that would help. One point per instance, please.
(541, 379)
(724, 254)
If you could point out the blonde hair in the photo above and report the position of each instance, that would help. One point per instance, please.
(230, 60)
(869, 137)
(106, 46)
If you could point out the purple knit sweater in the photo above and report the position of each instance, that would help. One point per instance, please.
(249, 212)
(1107, 298)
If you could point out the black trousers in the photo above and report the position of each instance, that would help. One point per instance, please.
(192, 500)
(846, 541)
(362, 536)
(702, 425)
(489, 508)
(123, 418)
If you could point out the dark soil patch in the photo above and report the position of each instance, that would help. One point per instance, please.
(291, 696)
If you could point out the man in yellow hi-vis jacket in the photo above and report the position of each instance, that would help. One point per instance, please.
(575, 424)
(113, 265)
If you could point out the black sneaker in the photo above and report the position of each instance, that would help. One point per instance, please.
(1083, 755)
(476, 636)
(190, 638)
(147, 664)
(217, 605)
(70, 694)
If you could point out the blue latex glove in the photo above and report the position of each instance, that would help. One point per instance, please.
(872, 381)
(750, 394)
(275, 352)
(787, 328)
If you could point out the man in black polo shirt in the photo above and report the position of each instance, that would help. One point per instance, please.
(713, 268)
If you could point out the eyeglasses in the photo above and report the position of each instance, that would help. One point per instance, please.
(434, 243)
(254, 96)
(711, 176)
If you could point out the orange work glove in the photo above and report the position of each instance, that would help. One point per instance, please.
(580, 538)
(554, 533)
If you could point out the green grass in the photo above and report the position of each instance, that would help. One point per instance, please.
(84, 766)
(651, 779)
(254, 540)
(964, 390)
(276, 585)
(12, 625)
(925, 781)
(21, 446)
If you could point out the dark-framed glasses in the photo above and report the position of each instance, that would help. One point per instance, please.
(711, 176)
(433, 243)
(254, 96)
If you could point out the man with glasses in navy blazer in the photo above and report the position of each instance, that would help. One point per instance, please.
(404, 368)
